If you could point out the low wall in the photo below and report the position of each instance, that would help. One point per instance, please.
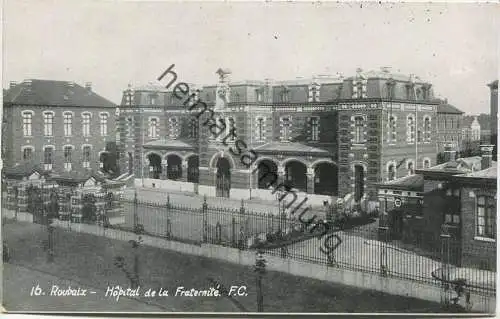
(332, 274)
(178, 186)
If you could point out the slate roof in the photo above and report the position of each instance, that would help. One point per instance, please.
(448, 109)
(460, 165)
(24, 169)
(411, 183)
(489, 173)
(54, 93)
(290, 147)
(168, 143)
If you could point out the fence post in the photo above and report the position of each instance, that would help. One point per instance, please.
(204, 211)
(384, 232)
(445, 267)
(233, 232)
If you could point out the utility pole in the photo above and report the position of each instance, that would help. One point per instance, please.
(260, 269)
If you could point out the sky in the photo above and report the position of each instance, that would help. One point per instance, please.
(116, 43)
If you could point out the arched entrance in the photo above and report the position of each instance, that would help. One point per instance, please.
(296, 175)
(267, 174)
(130, 163)
(174, 167)
(326, 179)
(193, 169)
(223, 178)
(154, 166)
(359, 182)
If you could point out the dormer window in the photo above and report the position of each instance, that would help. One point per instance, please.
(314, 92)
(286, 125)
(152, 100)
(284, 94)
(259, 95)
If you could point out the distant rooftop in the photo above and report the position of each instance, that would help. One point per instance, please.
(448, 108)
(411, 183)
(50, 92)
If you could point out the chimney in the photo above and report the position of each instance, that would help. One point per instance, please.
(486, 156)
(88, 86)
(12, 84)
(449, 153)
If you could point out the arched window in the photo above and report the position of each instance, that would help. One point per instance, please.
(86, 156)
(410, 167)
(28, 153)
(391, 172)
(410, 129)
(86, 124)
(427, 129)
(27, 122)
(48, 119)
(359, 129)
(67, 123)
(153, 127)
(427, 163)
(285, 128)
(260, 128)
(130, 127)
(68, 150)
(314, 122)
(392, 129)
(193, 129)
(104, 123)
(48, 157)
(173, 128)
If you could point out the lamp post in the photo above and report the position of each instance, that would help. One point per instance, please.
(260, 269)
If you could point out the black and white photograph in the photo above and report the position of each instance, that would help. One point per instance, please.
(249, 157)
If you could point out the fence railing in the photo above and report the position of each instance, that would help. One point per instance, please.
(361, 246)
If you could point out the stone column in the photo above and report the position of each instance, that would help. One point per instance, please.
(310, 180)
(164, 169)
(184, 176)
(145, 168)
(281, 175)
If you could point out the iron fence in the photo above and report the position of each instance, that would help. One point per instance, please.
(362, 246)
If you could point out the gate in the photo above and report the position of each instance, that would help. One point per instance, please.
(223, 186)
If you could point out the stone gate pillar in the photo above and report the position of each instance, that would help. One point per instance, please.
(310, 180)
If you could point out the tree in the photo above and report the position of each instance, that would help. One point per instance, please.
(110, 159)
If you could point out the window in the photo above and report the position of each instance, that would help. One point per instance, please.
(47, 158)
(129, 97)
(285, 128)
(27, 122)
(410, 129)
(284, 95)
(486, 217)
(392, 129)
(152, 100)
(259, 95)
(359, 127)
(86, 156)
(86, 124)
(260, 129)
(360, 90)
(230, 127)
(68, 150)
(130, 127)
(410, 167)
(391, 172)
(314, 129)
(104, 124)
(27, 154)
(427, 163)
(427, 129)
(67, 123)
(153, 127)
(314, 93)
(193, 130)
(173, 127)
(48, 120)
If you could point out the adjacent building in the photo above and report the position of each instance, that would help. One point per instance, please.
(61, 125)
(323, 136)
(494, 114)
(459, 195)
